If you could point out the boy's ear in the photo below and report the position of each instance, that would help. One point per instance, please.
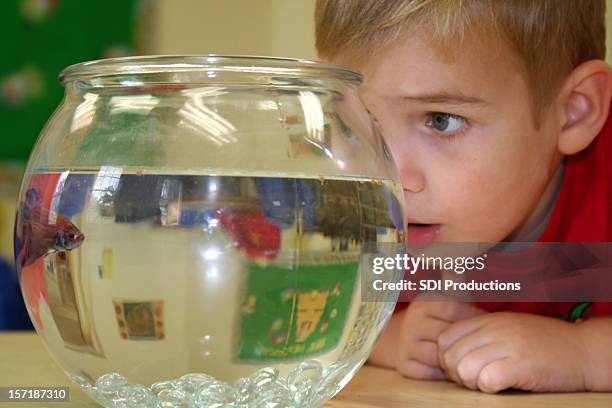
(585, 96)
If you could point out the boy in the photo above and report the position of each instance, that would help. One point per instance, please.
(496, 113)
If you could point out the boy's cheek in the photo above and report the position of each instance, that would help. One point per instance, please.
(473, 214)
(473, 196)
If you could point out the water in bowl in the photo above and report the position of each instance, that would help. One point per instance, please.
(183, 289)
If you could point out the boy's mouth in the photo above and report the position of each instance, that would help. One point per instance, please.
(422, 234)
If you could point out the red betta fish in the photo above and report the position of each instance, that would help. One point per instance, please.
(252, 231)
(39, 231)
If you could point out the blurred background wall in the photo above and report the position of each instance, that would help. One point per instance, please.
(260, 27)
(41, 37)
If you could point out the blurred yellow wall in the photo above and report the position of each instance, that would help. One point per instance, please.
(256, 27)
(251, 27)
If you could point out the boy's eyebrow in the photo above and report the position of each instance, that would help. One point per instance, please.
(447, 98)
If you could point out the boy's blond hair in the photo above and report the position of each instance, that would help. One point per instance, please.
(549, 37)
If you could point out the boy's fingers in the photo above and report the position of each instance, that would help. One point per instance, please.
(428, 328)
(426, 352)
(468, 368)
(499, 375)
(452, 357)
(414, 369)
(454, 311)
(458, 330)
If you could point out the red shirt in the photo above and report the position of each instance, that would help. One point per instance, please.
(583, 213)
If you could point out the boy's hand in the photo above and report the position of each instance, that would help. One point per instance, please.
(416, 353)
(497, 351)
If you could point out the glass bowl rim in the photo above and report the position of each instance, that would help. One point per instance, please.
(247, 64)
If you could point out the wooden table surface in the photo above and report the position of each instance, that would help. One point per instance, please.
(24, 361)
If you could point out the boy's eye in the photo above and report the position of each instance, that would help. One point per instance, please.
(445, 122)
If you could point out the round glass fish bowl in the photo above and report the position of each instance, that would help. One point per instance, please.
(195, 231)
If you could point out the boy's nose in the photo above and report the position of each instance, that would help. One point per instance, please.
(412, 181)
(411, 176)
(406, 154)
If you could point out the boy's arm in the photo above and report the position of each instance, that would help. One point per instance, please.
(597, 337)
